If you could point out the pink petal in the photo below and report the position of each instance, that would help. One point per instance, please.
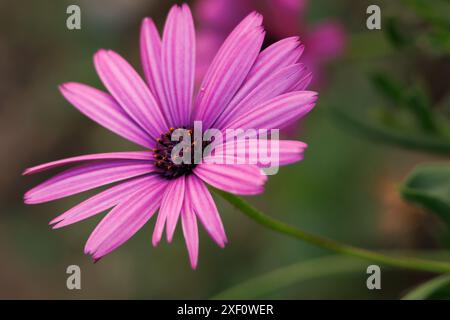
(270, 61)
(290, 151)
(125, 220)
(128, 88)
(303, 83)
(252, 151)
(174, 207)
(101, 201)
(178, 63)
(133, 155)
(159, 228)
(208, 43)
(238, 179)
(277, 112)
(103, 109)
(150, 43)
(272, 86)
(203, 205)
(227, 73)
(85, 177)
(190, 232)
(251, 21)
(169, 211)
(275, 57)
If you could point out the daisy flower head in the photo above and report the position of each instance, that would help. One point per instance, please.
(244, 88)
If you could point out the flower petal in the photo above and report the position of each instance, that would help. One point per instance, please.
(128, 88)
(190, 232)
(124, 220)
(178, 63)
(272, 86)
(259, 152)
(204, 207)
(251, 21)
(238, 179)
(133, 155)
(169, 211)
(174, 207)
(150, 43)
(272, 59)
(101, 201)
(277, 112)
(103, 109)
(227, 73)
(85, 177)
(303, 83)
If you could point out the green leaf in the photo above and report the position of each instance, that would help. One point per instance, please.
(388, 87)
(273, 281)
(394, 34)
(435, 14)
(429, 186)
(261, 286)
(415, 99)
(407, 139)
(432, 12)
(440, 41)
(420, 105)
(425, 290)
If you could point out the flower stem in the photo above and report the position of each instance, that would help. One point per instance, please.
(425, 290)
(331, 245)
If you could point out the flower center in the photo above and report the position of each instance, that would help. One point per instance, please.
(172, 163)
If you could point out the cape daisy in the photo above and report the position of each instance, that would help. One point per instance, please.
(243, 88)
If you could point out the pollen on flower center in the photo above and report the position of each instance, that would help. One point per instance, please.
(169, 167)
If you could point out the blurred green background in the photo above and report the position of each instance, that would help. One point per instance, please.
(345, 189)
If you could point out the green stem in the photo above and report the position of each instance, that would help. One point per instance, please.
(331, 245)
(425, 290)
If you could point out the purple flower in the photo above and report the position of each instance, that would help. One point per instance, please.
(243, 88)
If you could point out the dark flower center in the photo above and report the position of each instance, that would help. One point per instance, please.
(182, 162)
